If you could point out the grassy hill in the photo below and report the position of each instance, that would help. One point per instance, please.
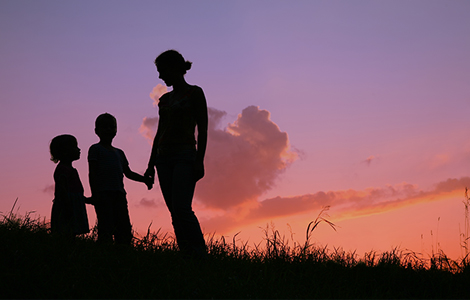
(35, 264)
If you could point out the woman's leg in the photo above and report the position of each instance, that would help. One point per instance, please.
(176, 177)
(187, 228)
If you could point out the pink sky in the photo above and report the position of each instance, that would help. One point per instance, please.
(359, 105)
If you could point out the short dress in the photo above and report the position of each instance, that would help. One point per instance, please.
(68, 214)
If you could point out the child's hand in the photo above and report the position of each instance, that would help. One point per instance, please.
(149, 182)
(150, 172)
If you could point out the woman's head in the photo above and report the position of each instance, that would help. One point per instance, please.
(172, 59)
(64, 146)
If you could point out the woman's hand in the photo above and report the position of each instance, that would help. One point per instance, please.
(149, 176)
(150, 172)
(149, 182)
(198, 170)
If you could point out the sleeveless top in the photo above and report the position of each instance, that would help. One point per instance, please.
(177, 122)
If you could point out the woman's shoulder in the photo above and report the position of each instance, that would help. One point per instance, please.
(197, 93)
(164, 99)
(196, 88)
(165, 96)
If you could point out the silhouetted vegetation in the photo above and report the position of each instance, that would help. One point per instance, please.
(36, 264)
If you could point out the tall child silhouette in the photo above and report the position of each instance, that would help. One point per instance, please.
(68, 216)
(176, 154)
(107, 167)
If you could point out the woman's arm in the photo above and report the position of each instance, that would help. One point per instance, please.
(153, 153)
(150, 172)
(202, 125)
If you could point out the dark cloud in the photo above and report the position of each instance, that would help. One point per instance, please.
(148, 128)
(49, 189)
(368, 160)
(148, 203)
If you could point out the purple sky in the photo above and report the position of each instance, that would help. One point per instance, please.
(371, 95)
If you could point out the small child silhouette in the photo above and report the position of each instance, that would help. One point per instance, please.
(107, 167)
(68, 216)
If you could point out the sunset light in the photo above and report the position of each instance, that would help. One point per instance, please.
(359, 106)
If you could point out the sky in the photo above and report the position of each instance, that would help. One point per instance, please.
(358, 106)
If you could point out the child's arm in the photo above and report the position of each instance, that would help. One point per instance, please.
(93, 176)
(137, 177)
(93, 169)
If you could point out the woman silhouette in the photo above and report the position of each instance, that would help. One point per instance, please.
(176, 154)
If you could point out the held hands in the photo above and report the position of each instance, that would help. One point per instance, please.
(89, 200)
(148, 182)
(149, 177)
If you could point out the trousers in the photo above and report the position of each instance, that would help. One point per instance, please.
(177, 182)
(113, 217)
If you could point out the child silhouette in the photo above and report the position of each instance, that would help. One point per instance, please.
(107, 167)
(68, 216)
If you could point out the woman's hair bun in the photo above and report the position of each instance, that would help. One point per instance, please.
(174, 59)
(187, 65)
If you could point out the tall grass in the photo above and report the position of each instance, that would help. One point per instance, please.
(36, 264)
(281, 248)
(465, 235)
(13, 221)
(274, 247)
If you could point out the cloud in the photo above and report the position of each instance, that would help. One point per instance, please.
(368, 160)
(148, 128)
(157, 92)
(439, 160)
(242, 160)
(345, 203)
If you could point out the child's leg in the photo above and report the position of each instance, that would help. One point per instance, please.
(123, 227)
(104, 215)
(61, 219)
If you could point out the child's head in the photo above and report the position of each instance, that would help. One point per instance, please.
(64, 147)
(106, 126)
